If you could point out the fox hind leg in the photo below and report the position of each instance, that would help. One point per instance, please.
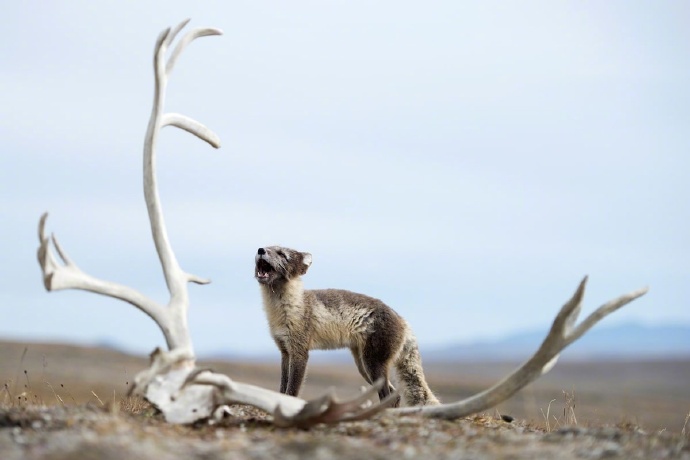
(375, 360)
(357, 355)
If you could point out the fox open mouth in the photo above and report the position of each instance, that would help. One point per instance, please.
(263, 269)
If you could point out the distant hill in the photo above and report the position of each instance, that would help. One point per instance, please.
(625, 341)
(628, 341)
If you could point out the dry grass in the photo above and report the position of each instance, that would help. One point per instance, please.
(568, 418)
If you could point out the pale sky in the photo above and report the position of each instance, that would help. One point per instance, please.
(466, 162)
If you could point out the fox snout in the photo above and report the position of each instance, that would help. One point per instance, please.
(263, 269)
(278, 264)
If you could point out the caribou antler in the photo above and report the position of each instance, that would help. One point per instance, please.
(172, 319)
(289, 411)
(562, 334)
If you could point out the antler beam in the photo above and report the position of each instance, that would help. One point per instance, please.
(175, 278)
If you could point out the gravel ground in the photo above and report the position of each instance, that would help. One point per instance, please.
(135, 431)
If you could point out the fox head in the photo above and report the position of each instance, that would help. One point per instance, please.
(275, 264)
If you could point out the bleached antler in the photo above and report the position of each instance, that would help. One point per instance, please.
(64, 274)
(290, 411)
(563, 332)
(171, 318)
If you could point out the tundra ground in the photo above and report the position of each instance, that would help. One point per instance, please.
(61, 402)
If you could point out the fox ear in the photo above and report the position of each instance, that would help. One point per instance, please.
(306, 262)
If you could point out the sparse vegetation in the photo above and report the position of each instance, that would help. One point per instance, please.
(66, 402)
(568, 418)
(547, 418)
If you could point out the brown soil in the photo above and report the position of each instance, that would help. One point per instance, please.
(62, 402)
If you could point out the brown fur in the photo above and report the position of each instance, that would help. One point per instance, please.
(301, 320)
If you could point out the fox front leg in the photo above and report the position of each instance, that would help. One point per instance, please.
(284, 369)
(296, 370)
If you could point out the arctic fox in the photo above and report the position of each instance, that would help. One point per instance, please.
(302, 320)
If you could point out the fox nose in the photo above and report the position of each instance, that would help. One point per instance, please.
(261, 251)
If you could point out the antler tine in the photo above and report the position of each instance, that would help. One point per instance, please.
(46, 260)
(604, 310)
(369, 392)
(571, 320)
(310, 414)
(548, 353)
(327, 409)
(161, 44)
(61, 252)
(42, 227)
(172, 33)
(567, 316)
(355, 408)
(186, 40)
(49, 264)
(191, 126)
(370, 411)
